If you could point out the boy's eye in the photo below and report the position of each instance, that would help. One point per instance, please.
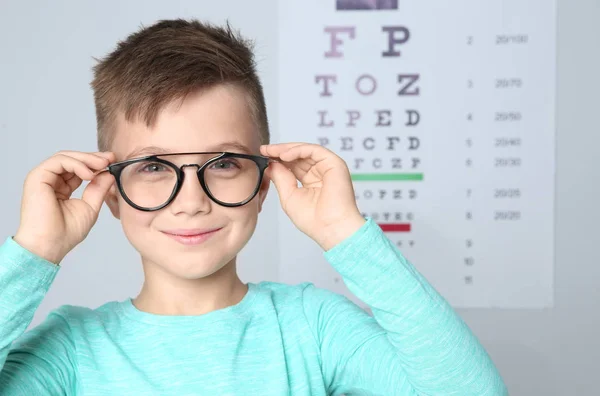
(225, 164)
(152, 167)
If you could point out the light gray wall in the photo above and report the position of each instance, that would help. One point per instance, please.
(556, 351)
(46, 51)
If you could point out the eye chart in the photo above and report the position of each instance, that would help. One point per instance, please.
(444, 113)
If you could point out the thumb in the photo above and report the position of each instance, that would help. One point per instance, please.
(283, 178)
(96, 190)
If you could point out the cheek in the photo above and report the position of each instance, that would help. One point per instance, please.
(248, 213)
(134, 220)
(243, 220)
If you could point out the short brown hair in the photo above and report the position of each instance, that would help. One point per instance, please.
(167, 61)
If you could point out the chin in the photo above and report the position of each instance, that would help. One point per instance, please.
(202, 272)
(193, 266)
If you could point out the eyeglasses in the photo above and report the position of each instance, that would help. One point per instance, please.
(150, 183)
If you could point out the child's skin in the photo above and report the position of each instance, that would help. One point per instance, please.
(182, 279)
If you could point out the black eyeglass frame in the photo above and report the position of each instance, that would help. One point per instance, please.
(117, 168)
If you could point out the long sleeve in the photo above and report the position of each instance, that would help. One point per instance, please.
(415, 344)
(40, 361)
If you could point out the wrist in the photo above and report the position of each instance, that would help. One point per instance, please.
(338, 232)
(39, 247)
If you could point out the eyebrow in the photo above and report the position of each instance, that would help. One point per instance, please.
(149, 150)
(155, 150)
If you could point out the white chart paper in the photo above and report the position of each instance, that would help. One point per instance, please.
(444, 112)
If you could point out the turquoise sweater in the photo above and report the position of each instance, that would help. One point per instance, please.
(279, 340)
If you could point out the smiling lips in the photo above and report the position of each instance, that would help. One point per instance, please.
(191, 236)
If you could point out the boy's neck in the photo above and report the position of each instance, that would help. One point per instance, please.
(165, 294)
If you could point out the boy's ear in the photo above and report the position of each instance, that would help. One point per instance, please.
(112, 201)
(263, 190)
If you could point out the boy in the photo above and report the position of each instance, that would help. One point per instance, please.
(185, 164)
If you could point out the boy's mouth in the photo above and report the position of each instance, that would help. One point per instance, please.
(191, 236)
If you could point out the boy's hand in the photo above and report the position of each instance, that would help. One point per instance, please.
(53, 223)
(324, 208)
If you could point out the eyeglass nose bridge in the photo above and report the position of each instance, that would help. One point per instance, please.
(182, 167)
(198, 173)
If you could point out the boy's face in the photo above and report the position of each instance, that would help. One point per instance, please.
(210, 120)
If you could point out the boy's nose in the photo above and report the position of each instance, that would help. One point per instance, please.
(191, 198)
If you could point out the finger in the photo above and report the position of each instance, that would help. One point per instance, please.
(79, 154)
(73, 182)
(301, 169)
(301, 165)
(96, 160)
(65, 184)
(109, 155)
(310, 152)
(284, 180)
(95, 192)
(61, 188)
(59, 165)
(274, 150)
